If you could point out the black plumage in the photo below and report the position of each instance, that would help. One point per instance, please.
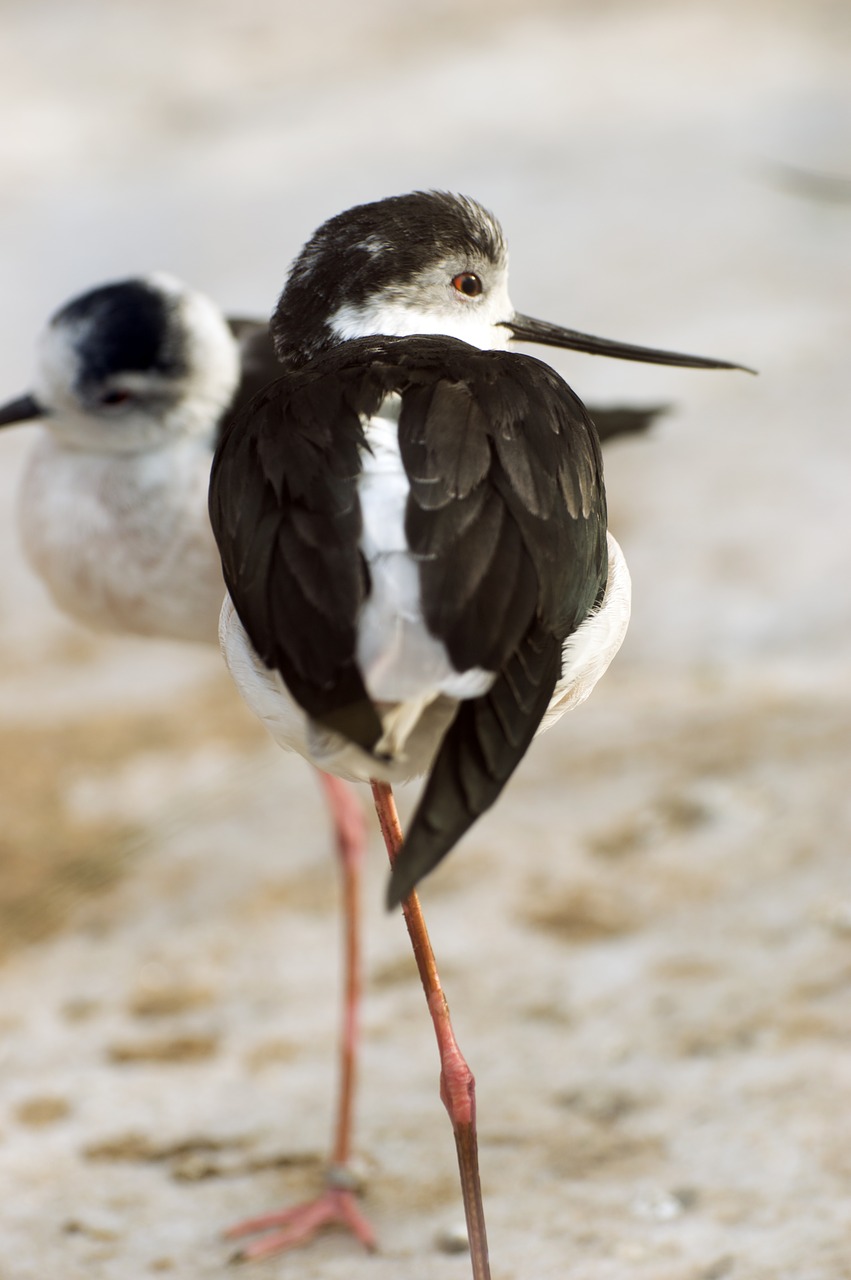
(130, 325)
(506, 519)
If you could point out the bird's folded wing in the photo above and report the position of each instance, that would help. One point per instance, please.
(507, 518)
(284, 510)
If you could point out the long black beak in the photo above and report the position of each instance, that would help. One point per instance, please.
(525, 329)
(23, 410)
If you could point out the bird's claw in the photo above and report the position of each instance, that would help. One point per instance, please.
(289, 1228)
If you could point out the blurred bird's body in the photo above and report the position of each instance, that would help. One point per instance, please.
(123, 547)
(133, 382)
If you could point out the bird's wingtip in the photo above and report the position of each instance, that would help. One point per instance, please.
(399, 887)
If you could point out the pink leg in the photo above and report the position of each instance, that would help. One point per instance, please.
(457, 1086)
(337, 1205)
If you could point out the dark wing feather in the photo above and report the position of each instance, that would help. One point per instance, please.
(524, 534)
(285, 514)
(445, 439)
(509, 567)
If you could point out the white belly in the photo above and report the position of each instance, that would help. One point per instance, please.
(123, 542)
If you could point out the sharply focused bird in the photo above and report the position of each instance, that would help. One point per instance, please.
(413, 530)
(134, 381)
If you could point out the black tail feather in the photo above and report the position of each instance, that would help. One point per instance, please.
(484, 745)
(623, 420)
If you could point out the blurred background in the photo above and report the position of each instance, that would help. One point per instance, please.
(648, 946)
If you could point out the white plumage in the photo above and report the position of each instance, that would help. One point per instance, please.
(112, 508)
(123, 542)
(399, 659)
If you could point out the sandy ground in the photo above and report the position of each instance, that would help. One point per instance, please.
(647, 946)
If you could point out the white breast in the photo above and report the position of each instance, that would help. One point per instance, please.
(123, 542)
(399, 660)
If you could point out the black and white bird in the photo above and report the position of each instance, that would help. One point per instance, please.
(413, 531)
(402, 515)
(134, 381)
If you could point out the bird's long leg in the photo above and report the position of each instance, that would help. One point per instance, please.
(457, 1086)
(350, 830)
(337, 1204)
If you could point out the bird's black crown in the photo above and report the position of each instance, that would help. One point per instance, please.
(128, 326)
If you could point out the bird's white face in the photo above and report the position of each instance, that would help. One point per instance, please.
(126, 412)
(465, 298)
(129, 410)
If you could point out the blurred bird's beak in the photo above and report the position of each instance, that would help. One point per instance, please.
(23, 410)
(525, 329)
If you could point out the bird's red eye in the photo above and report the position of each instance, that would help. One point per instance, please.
(115, 397)
(468, 284)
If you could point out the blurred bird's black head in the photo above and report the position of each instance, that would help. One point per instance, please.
(130, 326)
(130, 365)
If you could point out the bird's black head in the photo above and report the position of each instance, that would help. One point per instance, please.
(131, 326)
(131, 365)
(374, 268)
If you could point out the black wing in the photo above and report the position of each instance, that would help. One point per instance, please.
(507, 517)
(507, 512)
(285, 515)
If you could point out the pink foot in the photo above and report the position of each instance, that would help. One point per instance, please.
(289, 1228)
